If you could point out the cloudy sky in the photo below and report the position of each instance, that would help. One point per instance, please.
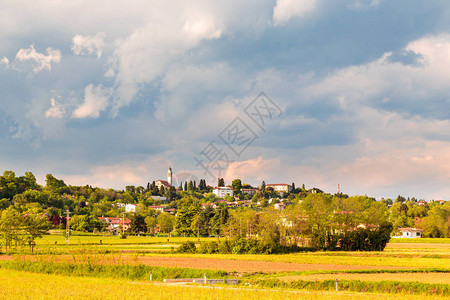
(111, 93)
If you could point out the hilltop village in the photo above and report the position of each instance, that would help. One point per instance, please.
(281, 212)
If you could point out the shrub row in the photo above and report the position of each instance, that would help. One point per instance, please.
(359, 286)
(239, 246)
(134, 272)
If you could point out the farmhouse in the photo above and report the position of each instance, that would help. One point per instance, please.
(409, 233)
(116, 224)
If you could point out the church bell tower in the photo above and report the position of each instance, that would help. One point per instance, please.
(169, 176)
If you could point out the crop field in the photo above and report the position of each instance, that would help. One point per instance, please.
(44, 286)
(413, 269)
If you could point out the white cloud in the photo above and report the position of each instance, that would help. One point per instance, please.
(121, 174)
(258, 169)
(199, 25)
(4, 61)
(148, 52)
(38, 60)
(390, 82)
(285, 10)
(87, 45)
(55, 111)
(95, 101)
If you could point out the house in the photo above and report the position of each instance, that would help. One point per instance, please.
(250, 192)
(170, 211)
(212, 205)
(280, 187)
(157, 207)
(232, 204)
(246, 203)
(162, 183)
(162, 199)
(116, 224)
(130, 207)
(408, 232)
(222, 191)
(422, 202)
(280, 206)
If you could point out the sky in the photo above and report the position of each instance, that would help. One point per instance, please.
(324, 93)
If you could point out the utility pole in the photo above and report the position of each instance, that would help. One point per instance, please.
(123, 222)
(67, 227)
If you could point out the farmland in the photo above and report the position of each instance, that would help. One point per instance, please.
(44, 286)
(420, 267)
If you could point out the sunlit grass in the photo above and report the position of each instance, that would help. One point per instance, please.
(25, 285)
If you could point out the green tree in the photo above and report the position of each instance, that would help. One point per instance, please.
(54, 183)
(138, 224)
(237, 185)
(319, 209)
(188, 209)
(151, 223)
(10, 222)
(35, 225)
(166, 222)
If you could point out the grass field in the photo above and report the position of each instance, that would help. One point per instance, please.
(43, 286)
(415, 266)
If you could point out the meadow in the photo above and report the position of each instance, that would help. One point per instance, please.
(413, 268)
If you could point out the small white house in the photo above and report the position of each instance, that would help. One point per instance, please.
(409, 233)
(130, 208)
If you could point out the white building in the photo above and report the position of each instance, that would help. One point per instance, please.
(169, 176)
(160, 183)
(166, 184)
(222, 191)
(251, 192)
(130, 208)
(409, 233)
(280, 187)
(157, 207)
(162, 199)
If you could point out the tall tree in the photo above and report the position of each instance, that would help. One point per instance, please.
(138, 224)
(237, 185)
(10, 222)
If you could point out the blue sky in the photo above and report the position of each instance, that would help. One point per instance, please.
(110, 94)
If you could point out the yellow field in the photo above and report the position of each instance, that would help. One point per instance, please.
(24, 285)
(306, 266)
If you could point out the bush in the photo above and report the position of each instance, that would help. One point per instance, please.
(209, 247)
(187, 247)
